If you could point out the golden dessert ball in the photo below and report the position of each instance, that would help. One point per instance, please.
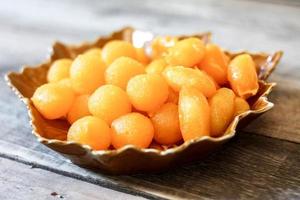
(87, 73)
(194, 114)
(221, 111)
(156, 66)
(79, 108)
(187, 52)
(215, 63)
(53, 100)
(66, 83)
(166, 124)
(90, 131)
(117, 48)
(94, 51)
(109, 102)
(121, 70)
(59, 70)
(179, 76)
(132, 129)
(147, 92)
(242, 76)
(240, 106)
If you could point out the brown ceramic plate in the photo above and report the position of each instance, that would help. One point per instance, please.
(130, 159)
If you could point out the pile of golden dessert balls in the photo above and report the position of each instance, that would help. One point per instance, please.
(118, 95)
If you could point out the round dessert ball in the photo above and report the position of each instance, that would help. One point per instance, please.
(91, 131)
(166, 124)
(79, 108)
(94, 51)
(115, 49)
(132, 129)
(147, 92)
(156, 66)
(109, 102)
(187, 52)
(121, 70)
(53, 100)
(66, 82)
(59, 70)
(87, 73)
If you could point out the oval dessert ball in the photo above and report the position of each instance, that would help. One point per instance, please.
(166, 124)
(115, 49)
(53, 100)
(194, 114)
(156, 66)
(240, 106)
(215, 63)
(147, 92)
(87, 73)
(90, 131)
(179, 76)
(66, 83)
(79, 108)
(59, 70)
(94, 51)
(109, 102)
(242, 76)
(132, 129)
(187, 52)
(121, 70)
(221, 111)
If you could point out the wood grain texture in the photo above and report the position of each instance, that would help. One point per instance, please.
(249, 167)
(19, 181)
(34, 25)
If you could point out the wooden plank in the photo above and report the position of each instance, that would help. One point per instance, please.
(250, 166)
(46, 159)
(263, 28)
(19, 181)
(280, 2)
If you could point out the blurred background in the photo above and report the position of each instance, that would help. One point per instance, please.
(28, 28)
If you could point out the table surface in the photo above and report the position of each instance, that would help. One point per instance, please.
(261, 162)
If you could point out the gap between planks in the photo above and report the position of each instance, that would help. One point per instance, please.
(64, 167)
(19, 181)
(244, 168)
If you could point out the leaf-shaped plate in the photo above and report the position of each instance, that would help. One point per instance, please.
(130, 159)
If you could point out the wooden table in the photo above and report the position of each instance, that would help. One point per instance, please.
(251, 166)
